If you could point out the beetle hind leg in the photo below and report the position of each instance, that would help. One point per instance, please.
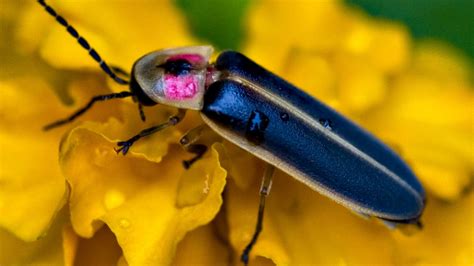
(188, 143)
(264, 192)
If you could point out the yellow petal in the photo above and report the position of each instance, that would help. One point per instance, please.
(119, 31)
(31, 185)
(430, 122)
(136, 197)
(85, 153)
(447, 237)
(149, 232)
(234, 160)
(383, 45)
(313, 73)
(390, 49)
(102, 249)
(301, 227)
(70, 242)
(270, 40)
(45, 251)
(202, 247)
(360, 85)
(441, 61)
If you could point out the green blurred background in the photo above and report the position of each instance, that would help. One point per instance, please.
(448, 20)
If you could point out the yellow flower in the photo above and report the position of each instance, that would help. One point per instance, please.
(86, 205)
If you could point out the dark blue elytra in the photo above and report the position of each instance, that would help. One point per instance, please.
(328, 164)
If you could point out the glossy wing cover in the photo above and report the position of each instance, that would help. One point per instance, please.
(284, 126)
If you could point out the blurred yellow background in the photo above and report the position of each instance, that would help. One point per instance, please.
(85, 205)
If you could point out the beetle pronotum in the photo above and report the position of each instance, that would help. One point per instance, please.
(270, 118)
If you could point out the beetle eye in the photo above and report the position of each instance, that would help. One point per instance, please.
(177, 67)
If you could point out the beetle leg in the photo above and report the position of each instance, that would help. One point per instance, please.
(187, 142)
(124, 73)
(264, 191)
(140, 111)
(81, 111)
(124, 146)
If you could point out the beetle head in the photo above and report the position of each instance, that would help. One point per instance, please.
(174, 77)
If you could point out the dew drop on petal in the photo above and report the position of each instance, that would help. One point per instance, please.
(124, 223)
(206, 187)
(113, 199)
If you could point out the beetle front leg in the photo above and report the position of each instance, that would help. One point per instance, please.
(187, 142)
(120, 71)
(124, 146)
(264, 192)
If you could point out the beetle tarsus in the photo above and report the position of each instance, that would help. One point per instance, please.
(245, 258)
(124, 146)
(187, 164)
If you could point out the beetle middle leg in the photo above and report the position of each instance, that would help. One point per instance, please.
(188, 143)
(124, 146)
(264, 192)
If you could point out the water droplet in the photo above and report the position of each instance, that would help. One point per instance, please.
(124, 223)
(113, 199)
(326, 123)
(206, 187)
(284, 117)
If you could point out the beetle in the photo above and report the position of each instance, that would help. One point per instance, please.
(273, 120)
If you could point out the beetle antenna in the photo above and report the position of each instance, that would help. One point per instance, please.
(92, 52)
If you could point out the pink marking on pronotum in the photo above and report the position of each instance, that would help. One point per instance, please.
(180, 87)
(191, 58)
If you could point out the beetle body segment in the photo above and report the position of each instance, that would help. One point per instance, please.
(175, 77)
(284, 126)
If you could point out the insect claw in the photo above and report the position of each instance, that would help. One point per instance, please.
(186, 164)
(245, 258)
(117, 150)
(124, 146)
